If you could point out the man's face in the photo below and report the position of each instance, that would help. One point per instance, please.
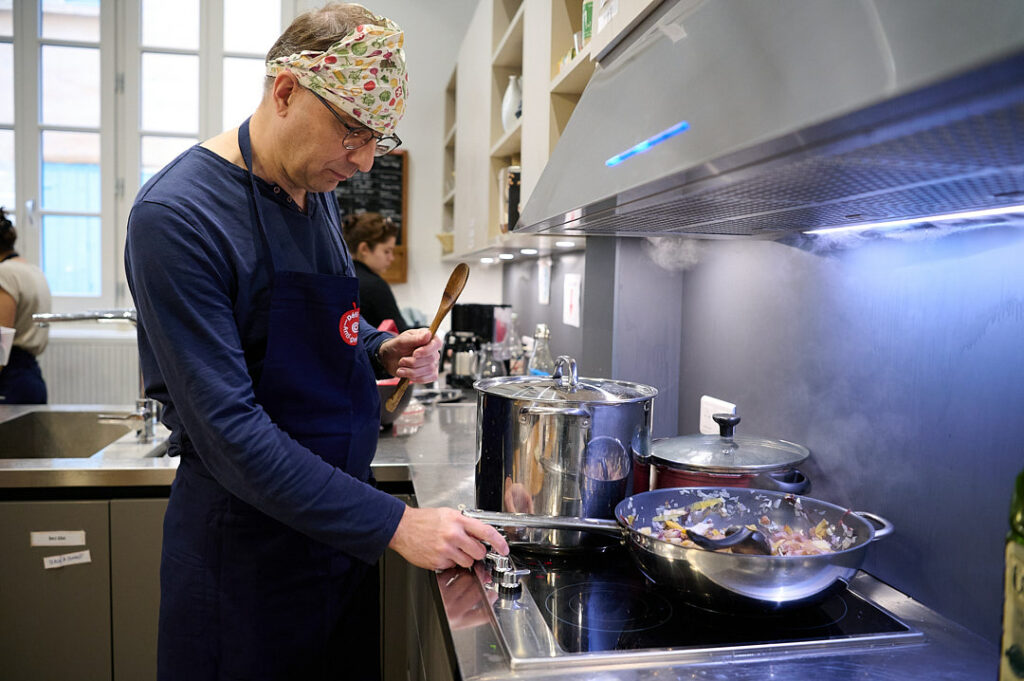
(316, 158)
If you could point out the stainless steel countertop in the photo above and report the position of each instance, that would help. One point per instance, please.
(440, 461)
(127, 463)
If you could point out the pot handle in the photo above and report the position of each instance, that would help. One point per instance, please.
(537, 410)
(790, 482)
(565, 364)
(545, 522)
(883, 528)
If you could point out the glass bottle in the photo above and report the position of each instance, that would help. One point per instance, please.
(514, 351)
(1011, 657)
(490, 366)
(541, 363)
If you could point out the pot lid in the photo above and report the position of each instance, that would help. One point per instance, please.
(726, 452)
(563, 385)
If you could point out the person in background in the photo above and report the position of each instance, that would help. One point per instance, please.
(250, 335)
(23, 293)
(371, 241)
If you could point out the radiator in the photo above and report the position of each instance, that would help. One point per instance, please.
(91, 367)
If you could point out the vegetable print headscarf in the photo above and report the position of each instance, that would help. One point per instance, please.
(363, 74)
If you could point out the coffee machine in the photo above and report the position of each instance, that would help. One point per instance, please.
(473, 324)
(460, 353)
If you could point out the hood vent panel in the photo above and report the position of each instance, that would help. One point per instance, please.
(954, 145)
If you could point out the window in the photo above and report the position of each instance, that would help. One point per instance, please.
(94, 113)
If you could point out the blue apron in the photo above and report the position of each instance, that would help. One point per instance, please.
(243, 595)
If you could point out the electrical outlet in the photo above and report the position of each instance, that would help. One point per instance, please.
(710, 406)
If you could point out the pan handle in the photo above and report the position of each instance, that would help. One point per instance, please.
(545, 522)
(883, 528)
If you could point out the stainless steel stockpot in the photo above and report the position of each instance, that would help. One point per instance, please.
(559, 445)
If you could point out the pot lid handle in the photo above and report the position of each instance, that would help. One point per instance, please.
(570, 381)
(726, 423)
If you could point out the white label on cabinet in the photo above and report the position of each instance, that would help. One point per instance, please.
(58, 538)
(63, 560)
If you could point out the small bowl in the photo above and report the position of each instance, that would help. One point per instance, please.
(386, 389)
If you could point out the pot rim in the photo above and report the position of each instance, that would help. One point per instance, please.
(490, 386)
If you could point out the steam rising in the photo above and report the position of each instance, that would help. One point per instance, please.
(672, 253)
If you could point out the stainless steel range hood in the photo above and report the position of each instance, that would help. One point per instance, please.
(800, 113)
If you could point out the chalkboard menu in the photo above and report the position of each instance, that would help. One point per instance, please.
(382, 190)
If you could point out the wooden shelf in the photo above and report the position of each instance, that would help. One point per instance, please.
(576, 74)
(449, 137)
(449, 198)
(510, 142)
(509, 51)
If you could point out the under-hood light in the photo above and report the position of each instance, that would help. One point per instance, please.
(681, 126)
(889, 224)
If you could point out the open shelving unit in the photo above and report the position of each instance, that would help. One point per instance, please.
(527, 39)
(447, 234)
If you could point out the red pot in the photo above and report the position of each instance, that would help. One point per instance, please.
(723, 460)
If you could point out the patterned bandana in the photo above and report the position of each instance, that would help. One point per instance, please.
(363, 74)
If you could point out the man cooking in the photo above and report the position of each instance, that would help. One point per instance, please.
(249, 335)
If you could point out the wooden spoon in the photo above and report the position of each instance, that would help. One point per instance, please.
(456, 283)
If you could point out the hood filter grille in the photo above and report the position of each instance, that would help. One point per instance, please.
(972, 162)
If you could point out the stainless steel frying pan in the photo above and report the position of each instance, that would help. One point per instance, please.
(728, 581)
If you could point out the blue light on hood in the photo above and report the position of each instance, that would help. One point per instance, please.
(681, 126)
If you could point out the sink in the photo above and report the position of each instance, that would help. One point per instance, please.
(58, 434)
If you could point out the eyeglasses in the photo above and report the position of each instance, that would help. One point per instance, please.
(361, 136)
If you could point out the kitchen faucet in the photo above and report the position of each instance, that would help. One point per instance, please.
(147, 410)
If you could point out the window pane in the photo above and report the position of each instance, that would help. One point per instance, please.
(71, 255)
(71, 171)
(243, 88)
(6, 83)
(71, 86)
(159, 151)
(7, 170)
(170, 23)
(6, 18)
(251, 25)
(72, 19)
(170, 93)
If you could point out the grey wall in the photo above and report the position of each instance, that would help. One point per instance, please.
(519, 287)
(900, 363)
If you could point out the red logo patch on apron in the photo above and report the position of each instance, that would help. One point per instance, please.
(348, 327)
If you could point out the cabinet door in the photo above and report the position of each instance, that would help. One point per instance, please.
(54, 623)
(136, 533)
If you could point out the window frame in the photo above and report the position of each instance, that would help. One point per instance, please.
(120, 128)
(211, 69)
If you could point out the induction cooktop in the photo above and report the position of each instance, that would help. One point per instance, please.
(589, 607)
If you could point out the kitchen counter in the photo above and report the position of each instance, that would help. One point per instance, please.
(128, 463)
(439, 460)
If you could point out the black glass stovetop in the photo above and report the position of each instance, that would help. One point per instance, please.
(599, 602)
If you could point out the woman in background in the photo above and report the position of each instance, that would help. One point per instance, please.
(370, 238)
(23, 292)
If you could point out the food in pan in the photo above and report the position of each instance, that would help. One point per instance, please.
(809, 537)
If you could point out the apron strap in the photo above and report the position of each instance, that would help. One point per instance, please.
(245, 145)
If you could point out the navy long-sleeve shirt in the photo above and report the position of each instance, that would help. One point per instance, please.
(202, 292)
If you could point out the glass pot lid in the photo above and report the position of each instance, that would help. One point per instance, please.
(563, 385)
(726, 452)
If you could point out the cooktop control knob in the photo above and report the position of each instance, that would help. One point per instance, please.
(508, 581)
(498, 562)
